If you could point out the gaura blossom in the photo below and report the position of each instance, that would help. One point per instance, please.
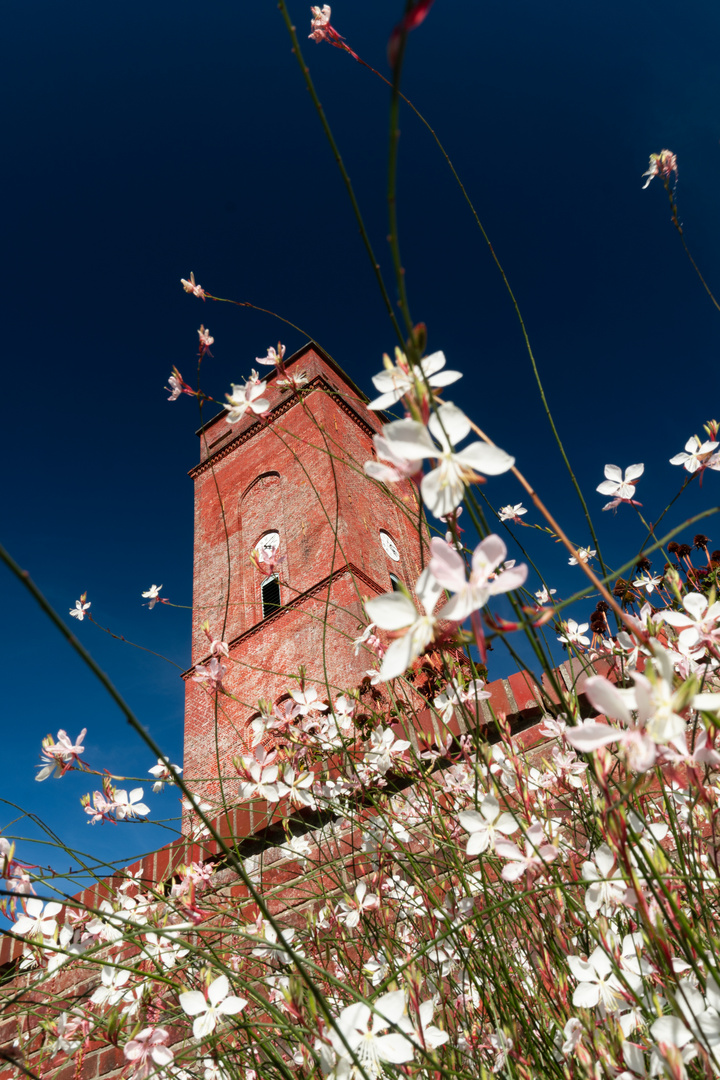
(211, 673)
(574, 634)
(648, 582)
(698, 624)
(392, 467)
(349, 911)
(191, 287)
(583, 555)
(320, 22)
(400, 378)
(484, 824)
(208, 1012)
(205, 339)
(146, 1050)
(128, 806)
(543, 595)
(273, 358)
(358, 1027)
(395, 611)
(512, 513)
(59, 756)
(78, 612)
(697, 455)
(39, 919)
(153, 595)
(532, 862)
(621, 488)
(246, 397)
(443, 488)
(597, 984)
(662, 164)
(448, 568)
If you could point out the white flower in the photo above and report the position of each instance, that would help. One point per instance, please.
(397, 380)
(146, 1048)
(383, 747)
(697, 455)
(543, 595)
(443, 488)
(395, 611)
(153, 595)
(596, 982)
(163, 773)
(320, 20)
(359, 1026)
(511, 513)
(574, 634)
(647, 582)
(622, 488)
(607, 889)
(583, 555)
(349, 911)
(448, 568)
(130, 806)
(78, 612)
(700, 624)
(246, 397)
(484, 825)
(39, 919)
(208, 1012)
(191, 287)
(113, 987)
(537, 853)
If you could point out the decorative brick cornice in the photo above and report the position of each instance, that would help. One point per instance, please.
(318, 383)
(297, 601)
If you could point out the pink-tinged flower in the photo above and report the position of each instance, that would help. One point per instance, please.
(308, 701)
(320, 23)
(400, 378)
(205, 340)
(78, 612)
(211, 673)
(662, 164)
(448, 568)
(58, 757)
(512, 513)
(246, 397)
(583, 555)
(454, 695)
(259, 777)
(39, 919)
(395, 611)
(697, 455)
(293, 380)
(392, 467)
(191, 287)
(349, 911)
(175, 387)
(209, 1011)
(153, 595)
(484, 825)
(698, 624)
(530, 862)
(273, 358)
(178, 386)
(622, 488)
(656, 705)
(146, 1050)
(574, 634)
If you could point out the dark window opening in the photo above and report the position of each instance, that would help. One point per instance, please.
(395, 583)
(270, 596)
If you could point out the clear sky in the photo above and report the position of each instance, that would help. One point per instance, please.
(144, 141)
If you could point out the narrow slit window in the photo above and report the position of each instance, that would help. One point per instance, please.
(270, 595)
(395, 581)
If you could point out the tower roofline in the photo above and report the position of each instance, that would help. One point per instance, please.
(298, 355)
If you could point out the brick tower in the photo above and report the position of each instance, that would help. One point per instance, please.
(294, 480)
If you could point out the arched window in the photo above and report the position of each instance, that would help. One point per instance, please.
(395, 581)
(270, 595)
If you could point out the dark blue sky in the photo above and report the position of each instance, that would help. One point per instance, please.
(145, 141)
